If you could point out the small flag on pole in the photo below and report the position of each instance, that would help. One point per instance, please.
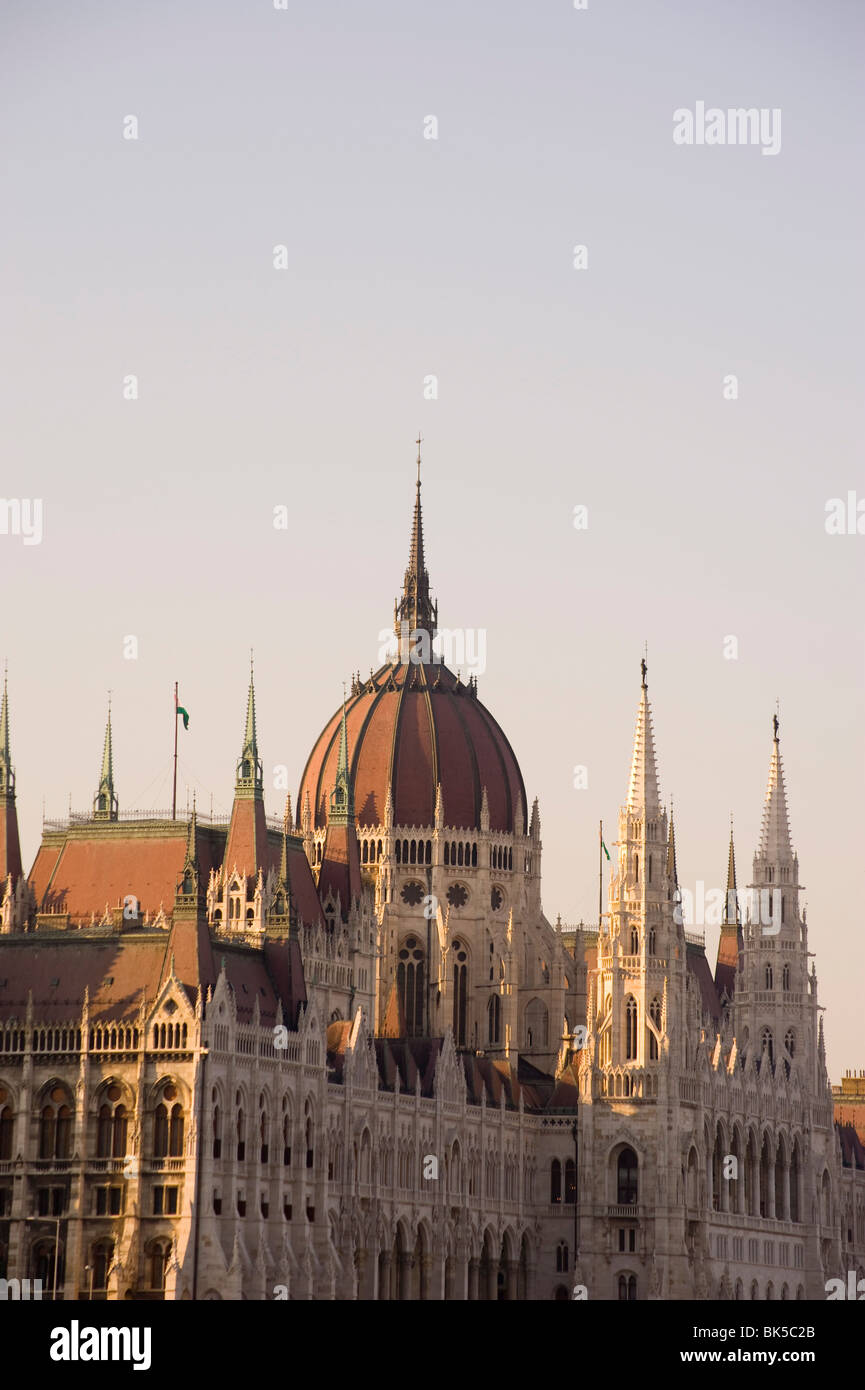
(181, 710)
(604, 847)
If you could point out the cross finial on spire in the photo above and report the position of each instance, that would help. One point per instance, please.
(418, 442)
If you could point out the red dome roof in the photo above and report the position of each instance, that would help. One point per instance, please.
(411, 727)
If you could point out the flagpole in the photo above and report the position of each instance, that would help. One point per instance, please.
(600, 876)
(174, 787)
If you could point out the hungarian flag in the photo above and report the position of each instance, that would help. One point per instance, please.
(181, 710)
(604, 848)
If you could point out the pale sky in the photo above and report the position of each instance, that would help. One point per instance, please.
(409, 257)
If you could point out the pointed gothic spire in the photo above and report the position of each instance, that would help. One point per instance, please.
(7, 776)
(249, 770)
(643, 793)
(775, 843)
(731, 906)
(415, 608)
(342, 796)
(105, 800)
(672, 867)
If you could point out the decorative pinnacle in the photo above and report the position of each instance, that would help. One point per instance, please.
(643, 793)
(415, 607)
(7, 779)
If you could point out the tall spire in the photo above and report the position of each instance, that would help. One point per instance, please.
(731, 943)
(672, 866)
(775, 846)
(249, 771)
(643, 793)
(105, 800)
(342, 796)
(7, 775)
(415, 608)
(10, 844)
(731, 905)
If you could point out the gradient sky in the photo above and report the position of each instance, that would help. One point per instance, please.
(557, 387)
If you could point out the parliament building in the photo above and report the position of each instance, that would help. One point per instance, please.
(343, 1054)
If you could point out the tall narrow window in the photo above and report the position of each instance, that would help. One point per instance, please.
(626, 1178)
(175, 1140)
(631, 1029)
(160, 1132)
(555, 1181)
(6, 1131)
(460, 958)
(570, 1181)
(410, 985)
(768, 977)
(494, 1012)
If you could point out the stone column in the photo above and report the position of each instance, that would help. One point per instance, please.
(474, 1269)
(513, 1270)
(384, 1275)
(405, 1268)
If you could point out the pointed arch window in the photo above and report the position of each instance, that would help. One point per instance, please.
(767, 1043)
(55, 1127)
(627, 1288)
(410, 985)
(7, 1129)
(769, 977)
(626, 1178)
(562, 1257)
(635, 942)
(631, 1028)
(460, 981)
(652, 950)
(570, 1181)
(785, 978)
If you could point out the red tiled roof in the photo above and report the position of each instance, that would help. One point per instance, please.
(410, 739)
(105, 863)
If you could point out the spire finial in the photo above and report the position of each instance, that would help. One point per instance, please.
(415, 611)
(644, 666)
(776, 719)
(105, 801)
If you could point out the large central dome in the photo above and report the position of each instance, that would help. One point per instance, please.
(414, 726)
(410, 728)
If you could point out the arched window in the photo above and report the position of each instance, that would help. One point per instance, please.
(652, 950)
(263, 1130)
(410, 985)
(55, 1127)
(494, 1013)
(631, 1028)
(790, 1042)
(627, 1288)
(7, 1129)
(158, 1265)
(635, 942)
(785, 978)
(217, 1132)
(460, 959)
(570, 1181)
(309, 1130)
(537, 1024)
(160, 1132)
(768, 977)
(768, 1045)
(562, 1257)
(101, 1257)
(626, 1178)
(241, 1135)
(555, 1181)
(175, 1135)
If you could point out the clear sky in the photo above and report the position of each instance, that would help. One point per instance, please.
(409, 257)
